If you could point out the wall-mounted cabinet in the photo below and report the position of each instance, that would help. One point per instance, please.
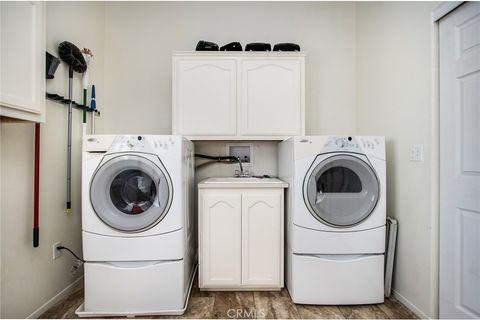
(238, 96)
(22, 60)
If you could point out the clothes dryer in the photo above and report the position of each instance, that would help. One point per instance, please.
(336, 216)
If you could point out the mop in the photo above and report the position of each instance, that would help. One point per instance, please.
(72, 56)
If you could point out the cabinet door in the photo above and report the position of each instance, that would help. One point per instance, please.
(22, 64)
(220, 239)
(262, 239)
(204, 96)
(272, 97)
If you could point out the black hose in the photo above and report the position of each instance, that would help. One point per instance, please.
(71, 252)
(216, 158)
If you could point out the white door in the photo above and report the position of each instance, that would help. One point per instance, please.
(262, 228)
(22, 60)
(271, 99)
(460, 163)
(204, 97)
(220, 239)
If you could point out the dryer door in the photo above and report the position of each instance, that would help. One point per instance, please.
(131, 192)
(341, 190)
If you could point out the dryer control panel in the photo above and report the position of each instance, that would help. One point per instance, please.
(342, 143)
(371, 144)
(361, 144)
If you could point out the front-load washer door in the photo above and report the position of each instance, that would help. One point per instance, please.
(341, 191)
(131, 193)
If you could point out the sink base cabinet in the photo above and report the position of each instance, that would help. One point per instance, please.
(241, 239)
(220, 239)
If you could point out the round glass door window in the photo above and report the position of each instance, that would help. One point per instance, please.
(133, 191)
(130, 193)
(341, 191)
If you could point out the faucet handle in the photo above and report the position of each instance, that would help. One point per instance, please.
(237, 173)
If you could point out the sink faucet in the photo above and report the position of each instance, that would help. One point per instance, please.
(241, 173)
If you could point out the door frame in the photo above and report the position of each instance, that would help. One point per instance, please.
(436, 15)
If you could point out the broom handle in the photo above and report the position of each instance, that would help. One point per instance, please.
(36, 189)
(69, 143)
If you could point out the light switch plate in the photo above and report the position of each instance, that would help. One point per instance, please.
(416, 152)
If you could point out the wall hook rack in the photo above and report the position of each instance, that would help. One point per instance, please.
(62, 100)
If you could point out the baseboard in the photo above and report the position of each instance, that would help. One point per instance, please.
(409, 305)
(59, 296)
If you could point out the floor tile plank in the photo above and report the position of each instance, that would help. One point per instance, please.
(362, 312)
(234, 304)
(65, 309)
(272, 305)
(199, 308)
(319, 312)
(395, 310)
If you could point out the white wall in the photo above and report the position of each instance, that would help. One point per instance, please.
(140, 37)
(29, 276)
(395, 100)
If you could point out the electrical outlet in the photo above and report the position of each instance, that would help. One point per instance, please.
(56, 252)
(75, 266)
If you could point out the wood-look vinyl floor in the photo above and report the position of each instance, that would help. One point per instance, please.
(253, 304)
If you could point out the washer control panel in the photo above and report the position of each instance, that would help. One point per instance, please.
(129, 143)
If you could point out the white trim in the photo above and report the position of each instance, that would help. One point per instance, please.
(445, 8)
(407, 303)
(59, 296)
(434, 171)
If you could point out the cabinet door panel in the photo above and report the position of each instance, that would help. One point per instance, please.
(220, 257)
(262, 239)
(22, 57)
(204, 97)
(271, 100)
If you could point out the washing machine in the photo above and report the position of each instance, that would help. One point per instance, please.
(137, 224)
(336, 217)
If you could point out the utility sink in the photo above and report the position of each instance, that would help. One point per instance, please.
(238, 182)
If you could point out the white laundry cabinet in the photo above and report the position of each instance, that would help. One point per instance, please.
(241, 235)
(22, 60)
(238, 96)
